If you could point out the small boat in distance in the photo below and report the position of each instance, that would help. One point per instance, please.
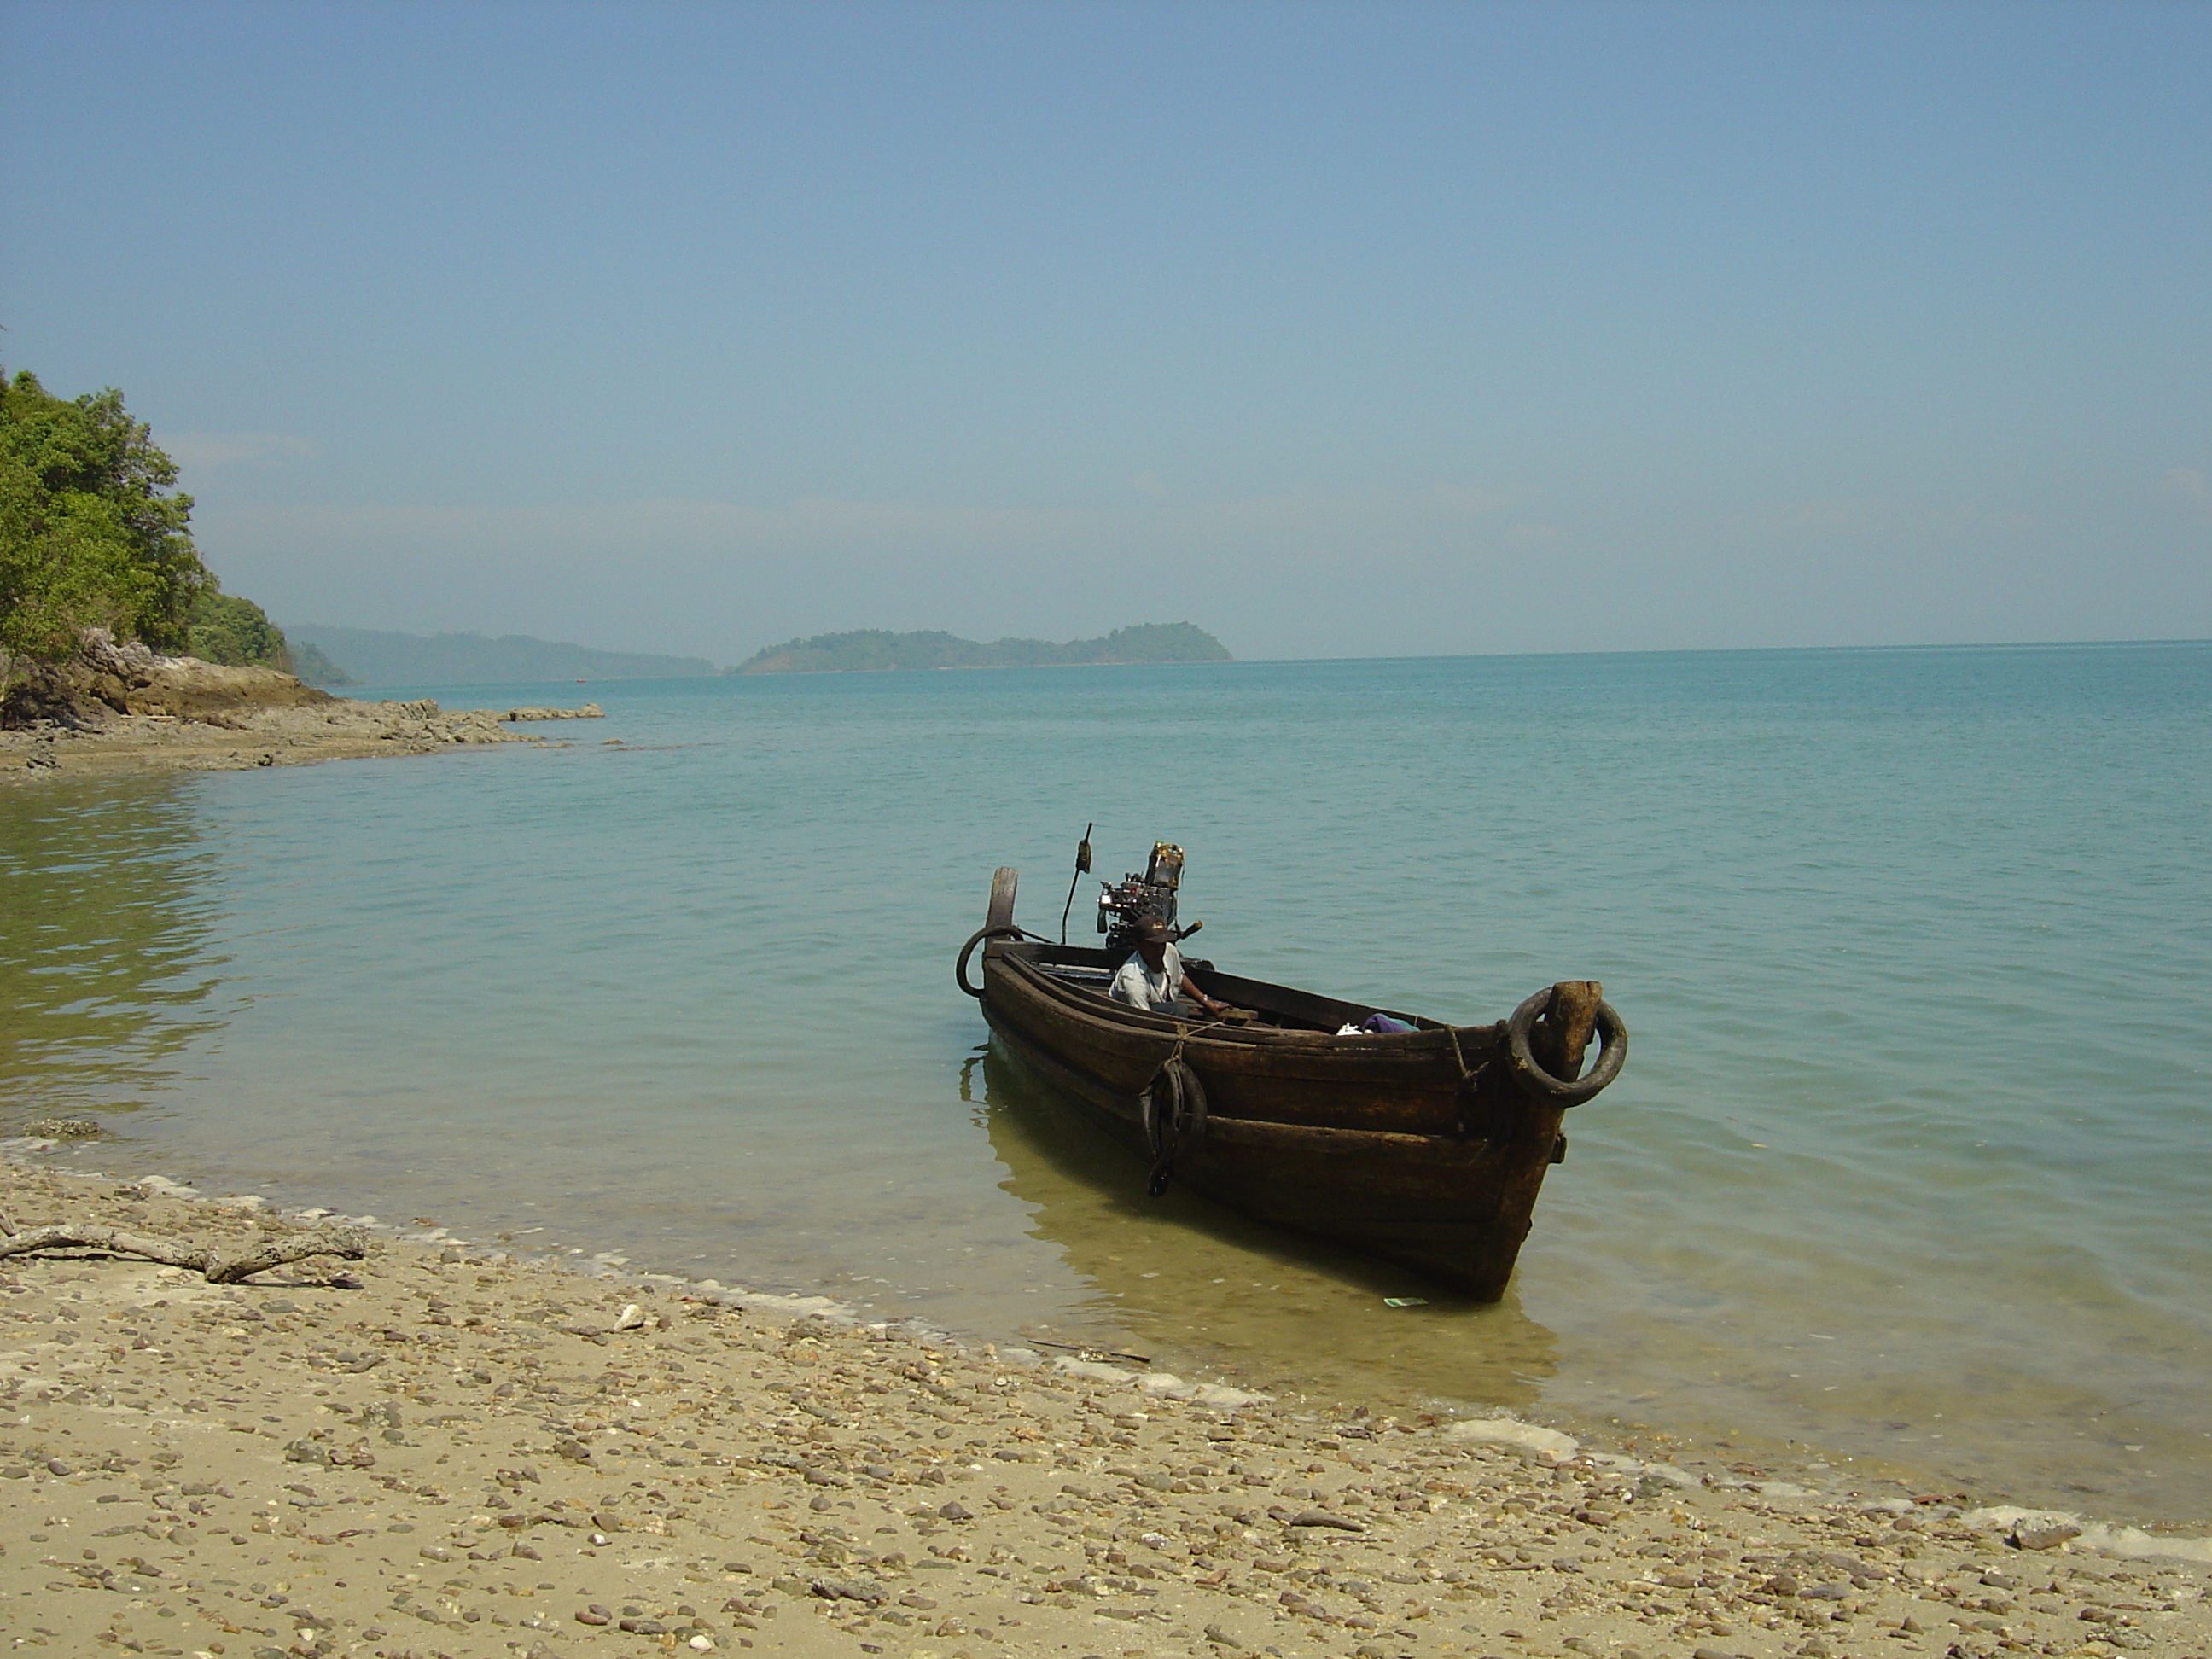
(1425, 1145)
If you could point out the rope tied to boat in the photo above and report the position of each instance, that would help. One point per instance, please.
(1466, 1074)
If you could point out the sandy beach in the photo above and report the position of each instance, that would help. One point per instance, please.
(443, 1450)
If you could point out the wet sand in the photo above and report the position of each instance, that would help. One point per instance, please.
(445, 1451)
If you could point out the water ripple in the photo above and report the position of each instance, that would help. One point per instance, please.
(1913, 944)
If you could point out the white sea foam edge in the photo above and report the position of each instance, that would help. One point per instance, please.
(1167, 1383)
(1511, 1431)
(2131, 1541)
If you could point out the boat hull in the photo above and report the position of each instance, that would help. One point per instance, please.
(1425, 1148)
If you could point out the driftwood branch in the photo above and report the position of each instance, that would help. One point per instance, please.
(219, 1268)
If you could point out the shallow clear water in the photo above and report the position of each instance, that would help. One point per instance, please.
(1909, 1164)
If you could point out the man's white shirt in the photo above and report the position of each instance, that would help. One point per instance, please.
(1137, 985)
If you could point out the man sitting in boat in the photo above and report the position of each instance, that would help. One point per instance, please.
(1152, 978)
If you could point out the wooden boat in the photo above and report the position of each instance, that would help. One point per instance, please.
(1426, 1147)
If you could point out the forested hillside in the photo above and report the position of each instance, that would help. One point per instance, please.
(875, 650)
(94, 534)
(373, 657)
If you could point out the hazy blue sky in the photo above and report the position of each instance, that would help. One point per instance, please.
(1338, 329)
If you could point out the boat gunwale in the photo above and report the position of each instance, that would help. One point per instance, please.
(1432, 1041)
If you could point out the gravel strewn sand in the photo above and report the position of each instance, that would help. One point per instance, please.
(448, 1452)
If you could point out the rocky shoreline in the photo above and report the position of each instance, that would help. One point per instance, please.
(447, 1451)
(119, 710)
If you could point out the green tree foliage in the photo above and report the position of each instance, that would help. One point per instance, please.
(93, 533)
(226, 629)
(312, 663)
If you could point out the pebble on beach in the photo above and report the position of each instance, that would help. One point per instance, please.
(445, 1451)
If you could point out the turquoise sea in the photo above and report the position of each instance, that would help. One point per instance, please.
(1910, 1170)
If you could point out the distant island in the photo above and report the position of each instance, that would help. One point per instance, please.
(363, 656)
(872, 650)
(326, 655)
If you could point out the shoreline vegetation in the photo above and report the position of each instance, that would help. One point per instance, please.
(876, 651)
(119, 653)
(95, 545)
(446, 1449)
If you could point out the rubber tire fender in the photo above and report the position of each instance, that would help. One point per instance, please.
(1612, 1032)
(960, 967)
(1168, 1135)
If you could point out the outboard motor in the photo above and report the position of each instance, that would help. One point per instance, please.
(1152, 893)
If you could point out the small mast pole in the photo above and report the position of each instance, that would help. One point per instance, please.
(1082, 869)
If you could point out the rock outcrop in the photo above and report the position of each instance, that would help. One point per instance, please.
(107, 679)
(589, 711)
(123, 708)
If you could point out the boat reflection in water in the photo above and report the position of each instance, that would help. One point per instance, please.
(1189, 1284)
